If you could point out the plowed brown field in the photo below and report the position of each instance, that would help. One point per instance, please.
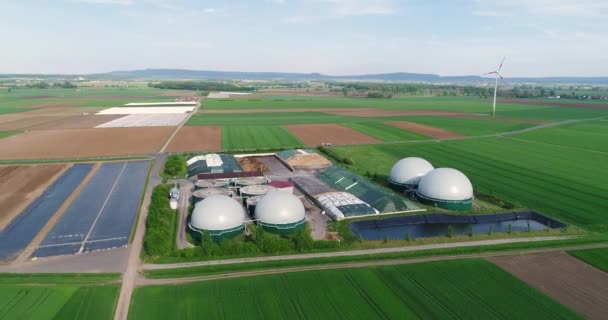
(20, 185)
(197, 138)
(83, 143)
(316, 134)
(572, 282)
(12, 122)
(78, 122)
(425, 130)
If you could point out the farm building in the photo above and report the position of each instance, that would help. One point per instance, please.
(446, 188)
(212, 163)
(280, 212)
(220, 215)
(407, 172)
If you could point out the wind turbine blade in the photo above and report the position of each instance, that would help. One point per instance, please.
(503, 79)
(493, 72)
(501, 63)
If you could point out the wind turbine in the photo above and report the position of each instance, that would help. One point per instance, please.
(497, 74)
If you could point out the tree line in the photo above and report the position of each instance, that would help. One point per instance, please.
(199, 86)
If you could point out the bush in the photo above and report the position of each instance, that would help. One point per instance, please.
(160, 230)
(175, 166)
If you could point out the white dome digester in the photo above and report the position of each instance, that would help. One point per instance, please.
(445, 184)
(409, 171)
(217, 213)
(280, 208)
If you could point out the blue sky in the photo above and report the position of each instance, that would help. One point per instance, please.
(446, 37)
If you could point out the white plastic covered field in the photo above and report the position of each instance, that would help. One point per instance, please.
(145, 110)
(146, 120)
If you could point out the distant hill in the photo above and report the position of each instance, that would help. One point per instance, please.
(181, 74)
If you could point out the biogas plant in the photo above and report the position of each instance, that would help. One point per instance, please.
(443, 187)
(282, 192)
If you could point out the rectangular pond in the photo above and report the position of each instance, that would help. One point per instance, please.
(439, 225)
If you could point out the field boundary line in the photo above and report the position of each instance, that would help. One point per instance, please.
(34, 243)
(344, 265)
(179, 127)
(102, 208)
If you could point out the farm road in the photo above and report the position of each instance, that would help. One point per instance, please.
(144, 281)
(134, 262)
(198, 105)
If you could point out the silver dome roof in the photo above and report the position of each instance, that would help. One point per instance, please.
(217, 212)
(280, 207)
(409, 170)
(445, 184)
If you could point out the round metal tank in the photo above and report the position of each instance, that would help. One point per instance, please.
(445, 184)
(201, 194)
(217, 213)
(280, 210)
(257, 190)
(252, 203)
(250, 181)
(409, 171)
(202, 184)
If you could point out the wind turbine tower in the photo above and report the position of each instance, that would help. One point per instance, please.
(497, 75)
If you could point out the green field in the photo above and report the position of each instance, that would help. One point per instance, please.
(460, 289)
(591, 135)
(385, 132)
(4, 134)
(469, 127)
(57, 296)
(278, 118)
(456, 104)
(568, 184)
(258, 137)
(21, 100)
(595, 257)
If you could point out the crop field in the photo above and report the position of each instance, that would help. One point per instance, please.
(197, 138)
(561, 182)
(463, 289)
(385, 132)
(20, 185)
(23, 100)
(256, 137)
(591, 135)
(278, 118)
(568, 280)
(18, 234)
(455, 104)
(83, 143)
(594, 257)
(4, 134)
(39, 302)
(469, 127)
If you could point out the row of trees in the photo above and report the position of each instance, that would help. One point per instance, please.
(199, 86)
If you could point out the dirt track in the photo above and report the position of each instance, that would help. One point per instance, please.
(425, 130)
(316, 134)
(82, 143)
(20, 185)
(197, 138)
(564, 278)
(557, 103)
